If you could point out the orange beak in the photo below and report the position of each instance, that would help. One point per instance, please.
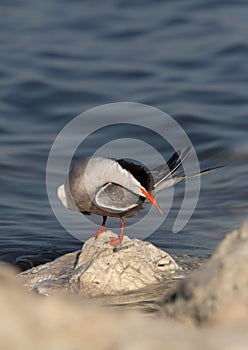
(150, 197)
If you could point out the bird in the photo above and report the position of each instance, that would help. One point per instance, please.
(119, 188)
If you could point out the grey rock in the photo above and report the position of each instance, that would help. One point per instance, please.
(97, 270)
(218, 290)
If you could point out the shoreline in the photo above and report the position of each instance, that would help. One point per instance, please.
(208, 307)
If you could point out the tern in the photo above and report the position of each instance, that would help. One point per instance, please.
(118, 187)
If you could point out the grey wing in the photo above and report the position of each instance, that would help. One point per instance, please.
(164, 172)
(116, 199)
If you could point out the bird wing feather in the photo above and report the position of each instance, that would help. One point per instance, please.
(165, 175)
(165, 171)
(174, 180)
(114, 198)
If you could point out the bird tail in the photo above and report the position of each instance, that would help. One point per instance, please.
(164, 175)
(174, 180)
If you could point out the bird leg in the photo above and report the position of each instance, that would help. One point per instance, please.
(115, 242)
(101, 229)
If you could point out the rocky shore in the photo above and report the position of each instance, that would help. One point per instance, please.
(97, 270)
(207, 309)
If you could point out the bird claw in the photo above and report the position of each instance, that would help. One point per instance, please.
(115, 243)
(116, 249)
(98, 233)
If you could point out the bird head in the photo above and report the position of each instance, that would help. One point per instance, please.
(118, 174)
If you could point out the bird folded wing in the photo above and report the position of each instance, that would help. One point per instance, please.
(115, 198)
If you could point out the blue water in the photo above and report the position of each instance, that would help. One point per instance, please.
(60, 58)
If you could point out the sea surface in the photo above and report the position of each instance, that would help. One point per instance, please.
(60, 58)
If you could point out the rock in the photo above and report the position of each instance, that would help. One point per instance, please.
(29, 322)
(218, 290)
(97, 270)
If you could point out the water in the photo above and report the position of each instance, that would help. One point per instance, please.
(60, 58)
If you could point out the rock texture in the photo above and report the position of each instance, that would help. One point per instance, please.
(97, 270)
(218, 290)
(30, 322)
(215, 296)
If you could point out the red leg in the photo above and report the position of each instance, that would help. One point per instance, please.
(101, 229)
(117, 241)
